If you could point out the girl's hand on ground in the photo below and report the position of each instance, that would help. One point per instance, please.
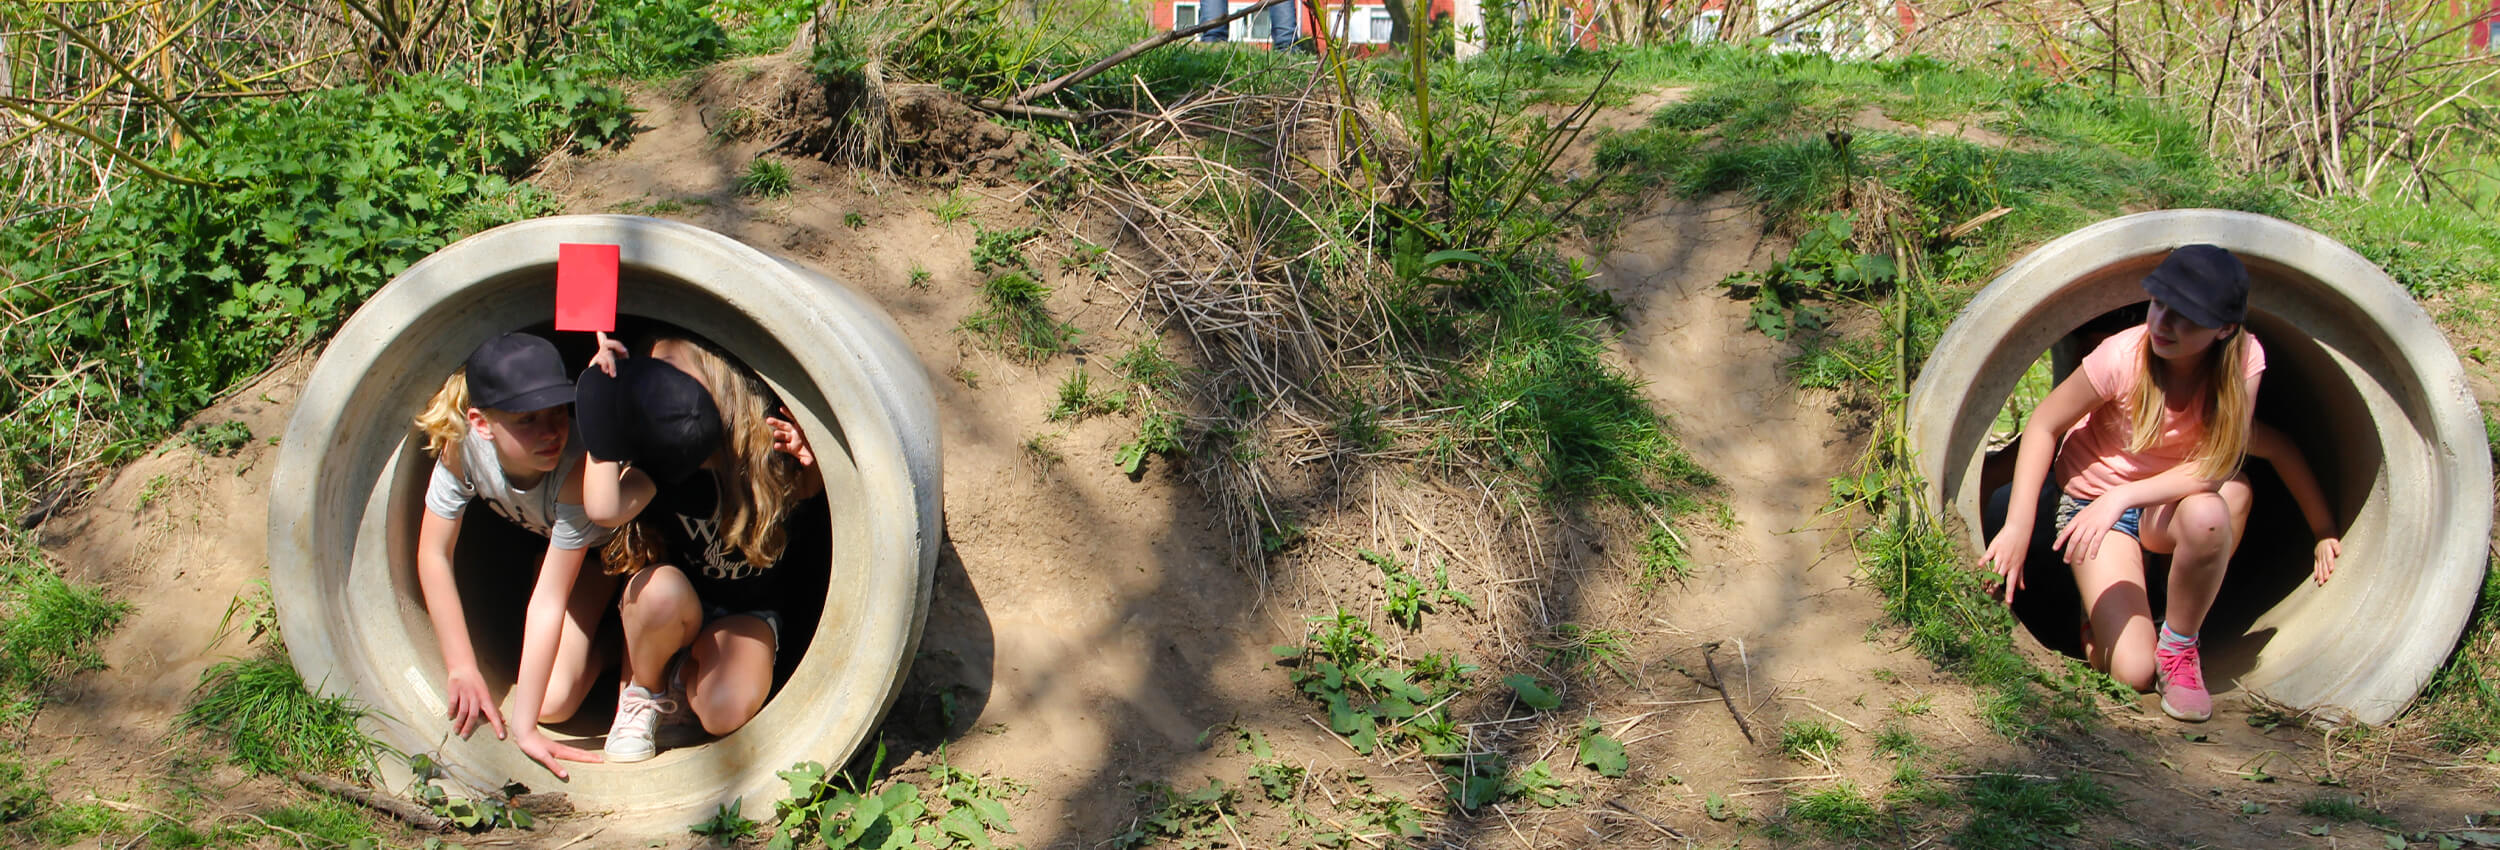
(2322, 559)
(788, 439)
(610, 351)
(2005, 557)
(470, 701)
(549, 753)
(2081, 541)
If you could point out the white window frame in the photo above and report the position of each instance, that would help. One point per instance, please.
(1193, 15)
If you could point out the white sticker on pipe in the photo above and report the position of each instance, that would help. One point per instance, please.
(425, 691)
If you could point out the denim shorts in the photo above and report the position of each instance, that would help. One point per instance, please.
(2129, 523)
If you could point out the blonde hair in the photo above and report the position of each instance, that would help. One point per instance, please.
(446, 415)
(756, 485)
(2224, 446)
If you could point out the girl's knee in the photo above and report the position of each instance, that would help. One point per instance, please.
(2202, 522)
(657, 593)
(727, 706)
(2134, 670)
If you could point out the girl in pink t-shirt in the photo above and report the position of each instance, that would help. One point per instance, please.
(2147, 440)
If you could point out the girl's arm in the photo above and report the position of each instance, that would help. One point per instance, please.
(2065, 405)
(463, 688)
(2291, 466)
(544, 621)
(613, 493)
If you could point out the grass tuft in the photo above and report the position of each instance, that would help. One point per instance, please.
(2012, 812)
(259, 706)
(765, 178)
(2343, 809)
(1015, 319)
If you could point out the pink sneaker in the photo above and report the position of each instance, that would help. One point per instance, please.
(2180, 677)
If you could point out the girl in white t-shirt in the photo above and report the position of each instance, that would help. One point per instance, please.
(499, 432)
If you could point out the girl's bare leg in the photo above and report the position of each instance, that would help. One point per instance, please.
(2200, 532)
(578, 655)
(659, 613)
(731, 672)
(2122, 619)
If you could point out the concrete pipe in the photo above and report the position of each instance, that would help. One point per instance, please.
(349, 481)
(2357, 374)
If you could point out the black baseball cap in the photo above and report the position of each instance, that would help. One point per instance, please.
(650, 415)
(2205, 283)
(517, 372)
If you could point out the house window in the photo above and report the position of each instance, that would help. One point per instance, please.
(1184, 15)
(1361, 24)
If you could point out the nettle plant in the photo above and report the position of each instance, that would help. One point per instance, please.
(1823, 265)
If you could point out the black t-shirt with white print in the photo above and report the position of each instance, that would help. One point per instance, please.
(793, 587)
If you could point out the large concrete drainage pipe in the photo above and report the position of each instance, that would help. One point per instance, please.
(349, 478)
(2357, 374)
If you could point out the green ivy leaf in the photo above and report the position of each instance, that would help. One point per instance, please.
(1534, 695)
(1605, 755)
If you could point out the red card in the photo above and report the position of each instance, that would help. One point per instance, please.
(585, 287)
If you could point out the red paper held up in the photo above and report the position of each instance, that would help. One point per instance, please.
(585, 287)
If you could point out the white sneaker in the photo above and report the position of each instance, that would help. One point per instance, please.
(630, 738)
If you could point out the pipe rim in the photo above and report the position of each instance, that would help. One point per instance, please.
(2369, 687)
(851, 369)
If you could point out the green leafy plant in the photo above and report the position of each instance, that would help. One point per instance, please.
(645, 38)
(302, 207)
(1601, 753)
(1188, 819)
(221, 440)
(1370, 700)
(1408, 596)
(1159, 433)
(1001, 250)
(1276, 777)
(962, 810)
(727, 825)
(1532, 693)
(1822, 265)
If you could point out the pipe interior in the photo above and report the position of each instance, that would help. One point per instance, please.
(2305, 394)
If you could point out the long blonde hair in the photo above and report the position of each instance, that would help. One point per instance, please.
(756, 485)
(446, 416)
(2224, 446)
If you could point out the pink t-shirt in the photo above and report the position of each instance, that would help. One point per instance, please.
(2093, 457)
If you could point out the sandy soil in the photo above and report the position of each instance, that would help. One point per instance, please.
(1095, 631)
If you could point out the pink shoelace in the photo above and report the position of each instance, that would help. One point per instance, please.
(2179, 667)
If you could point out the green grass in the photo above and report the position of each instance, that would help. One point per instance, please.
(1899, 742)
(1015, 319)
(1840, 813)
(259, 706)
(1810, 740)
(50, 629)
(1079, 399)
(765, 178)
(2344, 809)
(2461, 706)
(2008, 812)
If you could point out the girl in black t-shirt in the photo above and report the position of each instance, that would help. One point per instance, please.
(721, 525)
